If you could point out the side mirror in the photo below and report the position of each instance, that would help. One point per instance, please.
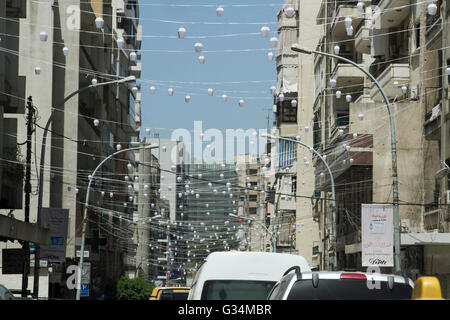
(427, 288)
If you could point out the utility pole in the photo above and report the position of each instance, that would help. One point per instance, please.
(25, 246)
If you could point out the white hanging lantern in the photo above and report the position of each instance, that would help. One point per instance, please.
(181, 32)
(306, 129)
(265, 31)
(355, 136)
(43, 36)
(360, 6)
(187, 99)
(281, 97)
(134, 90)
(99, 22)
(241, 103)
(432, 9)
(219, 11)
(337, 49)
(347, 148)
(37, 70)
(65, 51)
(273, 41)
(111, 194)
(360, 116)
(404, 89)
(170, 91)
(348, 22)
(94, 82)
(210, 92)
(133, 56)
(164, 148)
(270, 56)
(120, 43)
(395, 84)
(201, 60)
(147, 131)
(447, 71)
(294, 103)
(351, 160)
(289, 12)
(152, 90)
(119, 147)
(224, 98)
(333, 83)
(348, 98)
(273, 89)
(198, 47)
(338, 94)
(127, 178)
(350, 31)
(96, 122)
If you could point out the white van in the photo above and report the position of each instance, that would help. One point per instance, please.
(241, 275)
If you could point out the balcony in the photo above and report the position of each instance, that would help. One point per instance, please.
(338, 29)
(390, 13)
(347, 76)
(386, 76)
(362, 39)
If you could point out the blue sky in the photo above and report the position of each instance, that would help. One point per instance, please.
(163, 113)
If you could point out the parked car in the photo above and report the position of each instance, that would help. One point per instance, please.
(5, 294)
(340, 285)
(238, 275)
(170, 293)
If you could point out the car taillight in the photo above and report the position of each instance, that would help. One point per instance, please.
(353, 276)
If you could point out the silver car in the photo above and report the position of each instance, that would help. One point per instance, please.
(340, 285)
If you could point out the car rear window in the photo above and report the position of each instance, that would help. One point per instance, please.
(170, 295)
(236, 290)
(335, 289)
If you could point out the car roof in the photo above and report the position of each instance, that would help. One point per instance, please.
(247, 265)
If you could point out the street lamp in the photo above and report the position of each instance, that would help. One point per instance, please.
(261, 224)
(397, 261)
(42, 163)
(331, 180)
(83, 232)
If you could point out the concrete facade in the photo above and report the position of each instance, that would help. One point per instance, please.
(75, 145)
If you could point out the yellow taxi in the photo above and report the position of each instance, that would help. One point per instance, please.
(170, 293)
(427, 288)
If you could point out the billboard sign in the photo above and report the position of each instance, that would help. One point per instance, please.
(56, 220)
(377, 235)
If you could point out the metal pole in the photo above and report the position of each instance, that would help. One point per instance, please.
(25, 245)
(397, 259)
(86, 204)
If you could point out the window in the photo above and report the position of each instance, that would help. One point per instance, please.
(236, 290)
(279, 290)
(335, 289)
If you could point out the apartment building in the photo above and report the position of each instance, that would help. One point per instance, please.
(291, 170)
(60, 51)
(403, 46)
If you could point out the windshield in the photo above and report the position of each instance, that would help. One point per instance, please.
(236, 290)
(329, 289)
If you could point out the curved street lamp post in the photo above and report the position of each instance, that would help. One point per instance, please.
(397, 261)
(42, 161)
(83, 232)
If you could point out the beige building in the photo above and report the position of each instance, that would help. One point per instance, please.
(404, 50)
(76, 144)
